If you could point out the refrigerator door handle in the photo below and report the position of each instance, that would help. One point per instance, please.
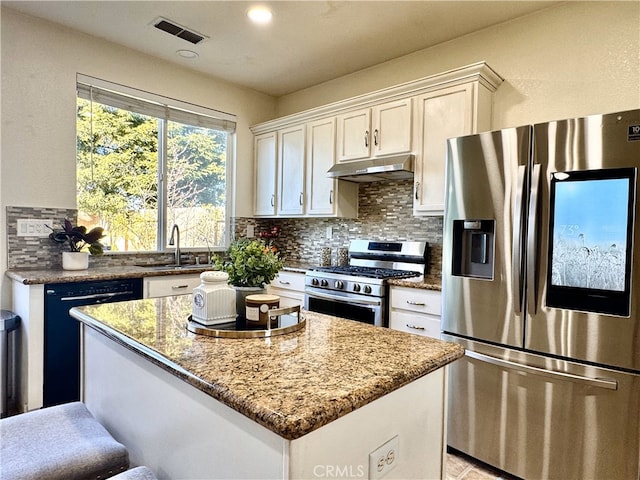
(516, 257)
(532, 240)
(607, 383)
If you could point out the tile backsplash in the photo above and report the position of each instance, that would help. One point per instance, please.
(385, 213)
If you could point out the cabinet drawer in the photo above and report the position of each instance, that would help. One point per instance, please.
(416, 300)
(289, 280)
(168, 285)
(426, 325)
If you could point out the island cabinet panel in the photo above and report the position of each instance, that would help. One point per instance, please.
(181, 432)
(414, 413)
(176, 430)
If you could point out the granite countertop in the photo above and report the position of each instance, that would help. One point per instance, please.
(426, 282)
(291, 384)
(35, 277)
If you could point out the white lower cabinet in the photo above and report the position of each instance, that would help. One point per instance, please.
(167, 285)
(415, 310)
(289, 286)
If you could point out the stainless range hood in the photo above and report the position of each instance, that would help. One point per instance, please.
(374, 170)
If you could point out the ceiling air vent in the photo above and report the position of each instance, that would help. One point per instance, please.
(177, 30)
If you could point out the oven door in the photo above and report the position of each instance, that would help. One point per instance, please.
(346, 305)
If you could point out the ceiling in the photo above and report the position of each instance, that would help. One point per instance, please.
(307, 43)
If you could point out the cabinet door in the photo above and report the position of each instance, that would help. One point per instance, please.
(354, 135)
(443, 114)
(391, 128)
(264, 147)
(321, 156)
(291, 174)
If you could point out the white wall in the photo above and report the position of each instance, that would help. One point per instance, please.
(575, 59)
(39, 65)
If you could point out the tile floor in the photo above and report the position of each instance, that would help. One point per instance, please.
(462, 467)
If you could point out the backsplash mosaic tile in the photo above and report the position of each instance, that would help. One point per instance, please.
(43, 253)
(385, 213)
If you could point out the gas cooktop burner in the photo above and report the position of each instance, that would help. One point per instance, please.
(368, 272)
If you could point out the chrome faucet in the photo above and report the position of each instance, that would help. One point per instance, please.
(176, 240)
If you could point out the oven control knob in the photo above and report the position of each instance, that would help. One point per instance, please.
(339, 284)
(324, 283)
(367, 289)
(356, 287)
(315, 282)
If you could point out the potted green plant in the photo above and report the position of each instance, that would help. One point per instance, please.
(251, 265)
(80, 242)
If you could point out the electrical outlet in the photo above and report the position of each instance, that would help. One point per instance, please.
(251, 231)
(33, 227)
(329, 233)
(384, 458)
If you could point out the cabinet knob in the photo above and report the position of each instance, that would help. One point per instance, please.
(301, 197)
(375, 137)
(273, 200)
(417, 189)
(331, 197)
(366, 138)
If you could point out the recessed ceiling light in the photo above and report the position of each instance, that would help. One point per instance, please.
(260, 15)
(186, 54)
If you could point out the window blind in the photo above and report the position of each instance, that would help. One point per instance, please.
(146, 103)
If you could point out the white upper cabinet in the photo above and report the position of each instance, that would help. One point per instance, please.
(264, 147)
(377, 131)
(442, 114)
(391, 128)
(326, 196)
(291, 160)
(294, 153)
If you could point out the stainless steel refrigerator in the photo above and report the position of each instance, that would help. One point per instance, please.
(541, 284)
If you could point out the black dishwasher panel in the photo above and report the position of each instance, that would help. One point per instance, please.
(62, 332)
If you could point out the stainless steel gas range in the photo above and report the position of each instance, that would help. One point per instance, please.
(359, 291)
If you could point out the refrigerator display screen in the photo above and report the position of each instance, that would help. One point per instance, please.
(590, 240)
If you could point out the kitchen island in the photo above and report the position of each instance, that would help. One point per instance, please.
(310, 404)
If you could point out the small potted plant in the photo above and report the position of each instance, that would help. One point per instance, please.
(251, 265)
(80, 241)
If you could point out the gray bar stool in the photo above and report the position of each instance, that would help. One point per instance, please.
(64, 442)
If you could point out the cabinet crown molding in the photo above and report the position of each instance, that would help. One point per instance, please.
(478, 72)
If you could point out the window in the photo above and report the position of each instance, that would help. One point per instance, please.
(145, 163)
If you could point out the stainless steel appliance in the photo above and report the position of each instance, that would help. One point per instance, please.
(540, 285)
(359, 291)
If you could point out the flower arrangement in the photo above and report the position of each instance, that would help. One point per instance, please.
(77, 238)
(251, 263)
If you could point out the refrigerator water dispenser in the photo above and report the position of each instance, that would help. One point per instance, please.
(473, 242)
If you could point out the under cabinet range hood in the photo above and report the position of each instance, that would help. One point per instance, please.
(374, 170)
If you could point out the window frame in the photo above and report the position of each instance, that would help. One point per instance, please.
(166, 109)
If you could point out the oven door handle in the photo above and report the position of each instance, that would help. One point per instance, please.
(336, 298)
